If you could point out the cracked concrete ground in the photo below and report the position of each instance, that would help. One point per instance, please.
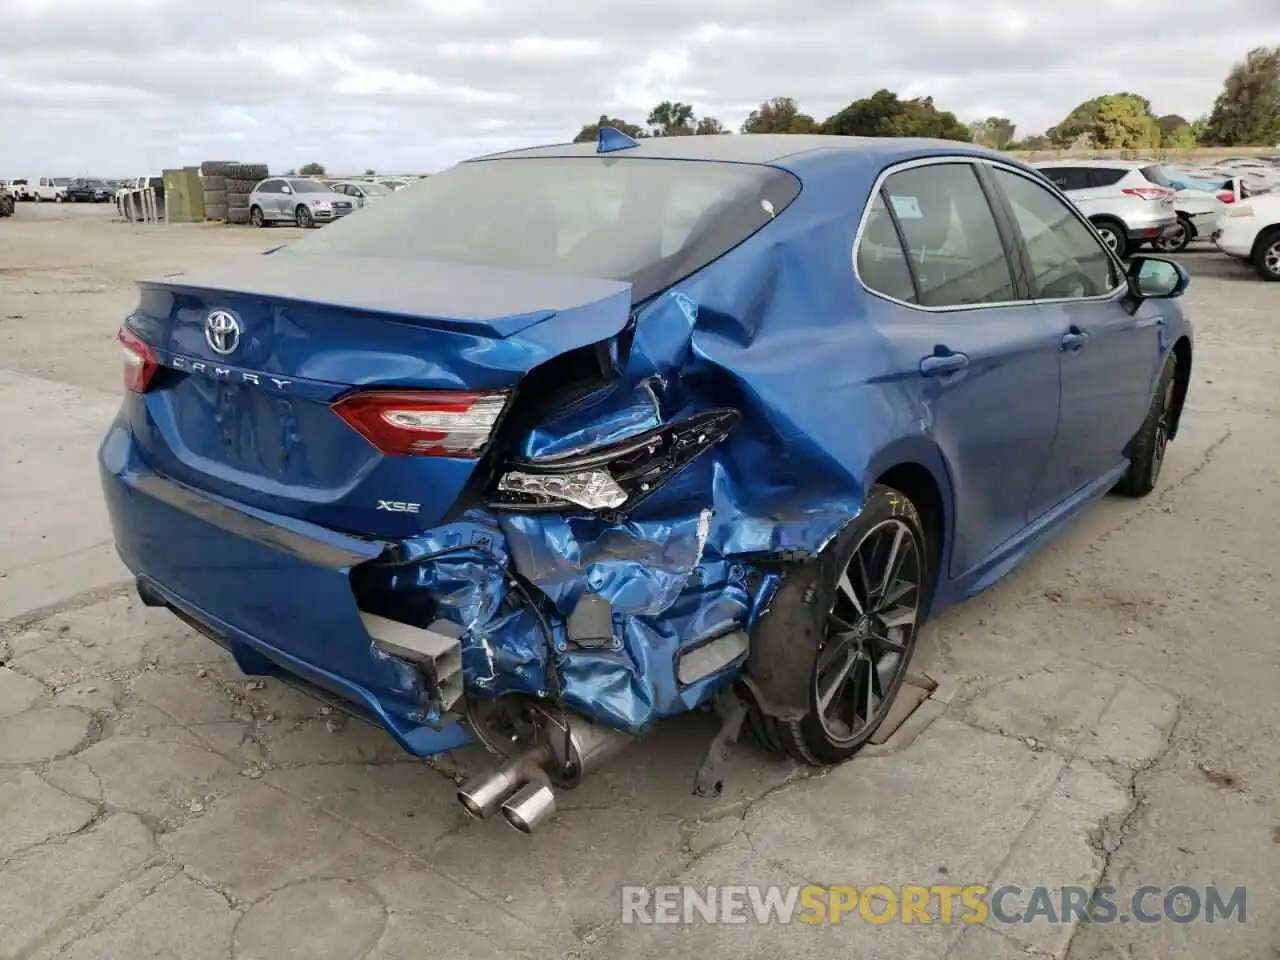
(1105, 716)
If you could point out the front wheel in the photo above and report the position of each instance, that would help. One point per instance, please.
(1266, 255)
(854, 616)
(302, 217)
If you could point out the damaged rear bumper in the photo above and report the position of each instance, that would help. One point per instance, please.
(663, 626)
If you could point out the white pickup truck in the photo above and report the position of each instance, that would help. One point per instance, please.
(18, 189)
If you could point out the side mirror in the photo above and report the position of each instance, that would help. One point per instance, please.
(286, 189)
(1155, 278)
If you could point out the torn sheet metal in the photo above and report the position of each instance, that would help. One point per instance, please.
(685, 564)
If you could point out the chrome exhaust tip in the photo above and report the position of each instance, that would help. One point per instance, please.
(522, 787)
(530, 807)
(481, 798)
(484, 795)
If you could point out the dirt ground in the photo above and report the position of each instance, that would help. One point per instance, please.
(1105, 716)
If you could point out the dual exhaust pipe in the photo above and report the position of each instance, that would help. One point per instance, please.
(523, 788)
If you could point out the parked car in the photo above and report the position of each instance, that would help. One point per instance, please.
(1258, 167)
(49, 189)
(1124, 203)
(1198, 206)
(20, 189)
(641, 426)
(361, 191)
(296, 200)
(88, 191)
(1251, 232)
(393, 183)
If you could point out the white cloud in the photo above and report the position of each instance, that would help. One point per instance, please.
(114, 87)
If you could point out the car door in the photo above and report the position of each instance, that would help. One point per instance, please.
(982, 356)
(280, 202)
(1109, 352)
(264, 196)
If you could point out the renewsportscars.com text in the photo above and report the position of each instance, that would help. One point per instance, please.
(936, 903)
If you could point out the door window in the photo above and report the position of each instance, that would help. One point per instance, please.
(953, 245)
(1067, 260)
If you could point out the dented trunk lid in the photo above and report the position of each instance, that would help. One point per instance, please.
(254, 423)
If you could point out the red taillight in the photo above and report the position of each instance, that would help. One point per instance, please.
(1227, 196)
(431, 423)
(140, 361)
(1148, 193)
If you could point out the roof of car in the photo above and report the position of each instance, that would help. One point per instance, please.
(742, 148)
(1114, 164)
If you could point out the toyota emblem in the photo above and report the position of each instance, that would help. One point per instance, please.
(222, 332)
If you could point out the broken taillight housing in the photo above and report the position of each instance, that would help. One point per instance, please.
(427, 423)
(140, 363)
(612, 478)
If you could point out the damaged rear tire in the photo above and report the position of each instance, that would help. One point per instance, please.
(848, 623)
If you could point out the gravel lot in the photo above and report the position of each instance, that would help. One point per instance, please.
(1107, 714)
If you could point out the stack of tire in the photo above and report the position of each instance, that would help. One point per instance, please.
(227, 186)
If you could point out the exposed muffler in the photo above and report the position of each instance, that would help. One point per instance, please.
(565, 750)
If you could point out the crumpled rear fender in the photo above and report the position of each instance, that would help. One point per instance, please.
(766, 331)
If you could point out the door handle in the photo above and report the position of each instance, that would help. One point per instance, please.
(938, 365)
(1074, 339)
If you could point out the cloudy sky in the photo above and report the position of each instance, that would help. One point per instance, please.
(120, 87)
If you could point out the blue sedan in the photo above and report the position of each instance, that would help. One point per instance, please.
(571, 439)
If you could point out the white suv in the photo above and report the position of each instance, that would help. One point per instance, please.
(1124, 200)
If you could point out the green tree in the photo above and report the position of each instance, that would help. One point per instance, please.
(1176, 133)
(1113, 121)
(1037, 141)
(1171, 123)
(709, 126)
(671, 119)
(1125, 122)
(590, 132)
(884, 114)
(994, 132)
(779, 115)
(370, 172)
(311, 170)
(1247, 111)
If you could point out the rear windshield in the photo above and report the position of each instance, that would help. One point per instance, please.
(650, 222)
(1157, 176)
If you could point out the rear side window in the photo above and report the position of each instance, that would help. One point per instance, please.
(882, 264)
(1067, 178)
(1106, 176)
(647, 221)
(953, 245)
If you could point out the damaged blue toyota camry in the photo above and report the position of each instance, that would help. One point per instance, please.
(564, 441)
